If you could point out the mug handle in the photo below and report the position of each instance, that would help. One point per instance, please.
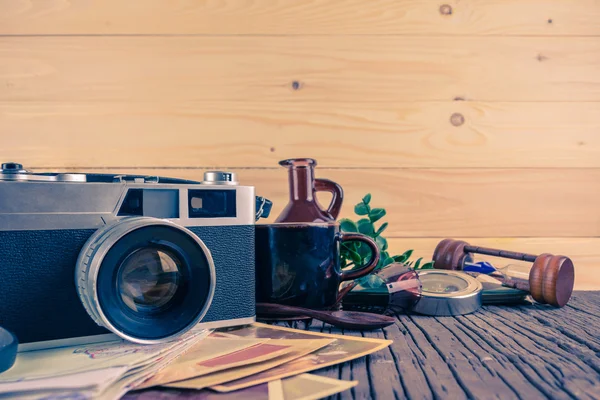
(367, 269)
(325, 185)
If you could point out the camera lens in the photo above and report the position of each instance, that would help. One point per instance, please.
(147, 280)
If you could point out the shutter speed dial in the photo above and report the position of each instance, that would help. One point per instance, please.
(220, 178)
(12, 167)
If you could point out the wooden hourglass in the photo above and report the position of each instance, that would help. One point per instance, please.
(549, 280)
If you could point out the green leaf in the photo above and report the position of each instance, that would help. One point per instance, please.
(365, 227)
(347, 225)
(344, 255)
(400, 259)
(354, 256)
(381, 242)
(364, 251)
(404, 257)
(361, 209)
(345, 248)
(388, 261)
(418, 263)
(381, 228)
(376, 214)
(383, 256)
(367, 198)
(428, 265)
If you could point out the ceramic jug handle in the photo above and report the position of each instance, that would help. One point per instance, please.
(325, 185)
(375, 255)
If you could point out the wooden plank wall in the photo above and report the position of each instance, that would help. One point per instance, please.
(476, 119)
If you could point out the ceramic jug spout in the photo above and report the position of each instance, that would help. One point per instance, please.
(303, 205)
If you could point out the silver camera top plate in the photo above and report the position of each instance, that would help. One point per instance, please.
(46, 200)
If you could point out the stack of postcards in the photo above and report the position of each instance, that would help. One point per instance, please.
(97, 371)
(256, 361)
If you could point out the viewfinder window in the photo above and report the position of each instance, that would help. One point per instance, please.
(133, 203)
(212, 203)
(158, 203)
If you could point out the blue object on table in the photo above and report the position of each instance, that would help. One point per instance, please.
(483, 267)
(8, 349)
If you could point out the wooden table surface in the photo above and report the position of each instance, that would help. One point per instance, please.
(518, 352)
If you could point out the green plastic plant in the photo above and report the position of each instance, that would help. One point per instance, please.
(357, 254)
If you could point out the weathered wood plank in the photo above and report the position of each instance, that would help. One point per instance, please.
(535, 372)
(366, 69)
(566, 340)
(583, 312)
(345, 374)
(359, 372)
(344, 371)
(533, 360)
(259, 134)
(477, 380)
(568, 373)
(454, 17)
(465, 202)
(497, 352)
(409, 367)
(478, 343)
(568, 322)
(440, 378)
(582, 304)
(384, 378)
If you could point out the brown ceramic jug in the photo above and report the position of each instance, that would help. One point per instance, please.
(303, 205)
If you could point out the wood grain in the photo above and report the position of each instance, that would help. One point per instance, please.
(440, 202)
(583, 252)
(423, 373)
(253, 134)
(364, 69)
(509, 352)
(524, 386)
(290, 17)
(463, 118)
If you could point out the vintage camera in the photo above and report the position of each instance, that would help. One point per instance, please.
(86, 256)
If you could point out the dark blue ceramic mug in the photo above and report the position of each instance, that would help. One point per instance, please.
(298, 264)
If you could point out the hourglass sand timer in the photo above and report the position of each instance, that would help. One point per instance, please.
(549, 280)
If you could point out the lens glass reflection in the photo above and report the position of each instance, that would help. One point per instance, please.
(149, 279)
(441, 283)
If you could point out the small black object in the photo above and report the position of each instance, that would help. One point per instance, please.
(263, 207)
(8, 349)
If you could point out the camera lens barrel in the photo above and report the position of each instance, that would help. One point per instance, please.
(145, 279)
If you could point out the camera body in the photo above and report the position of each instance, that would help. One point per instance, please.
(86, 256)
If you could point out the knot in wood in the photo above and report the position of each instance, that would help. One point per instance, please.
(296, 85)
(446, 9)
(457, 119)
